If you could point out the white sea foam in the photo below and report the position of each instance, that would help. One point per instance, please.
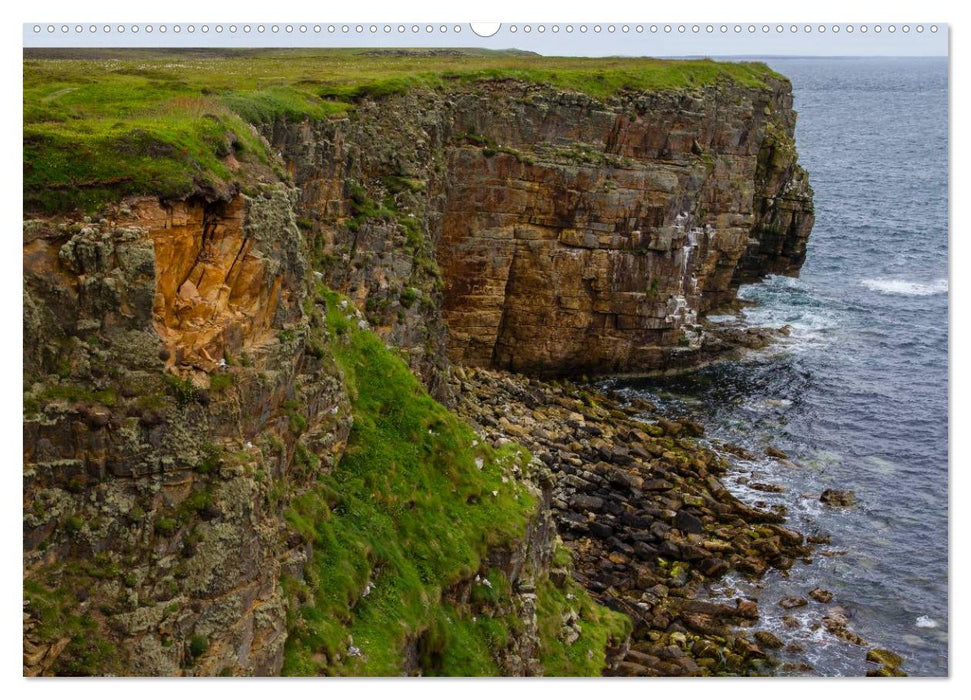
(924, 621)
(906, 287)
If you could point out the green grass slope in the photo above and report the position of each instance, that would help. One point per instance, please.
(413, 507)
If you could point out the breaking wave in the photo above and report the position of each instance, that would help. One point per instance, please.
(906, 287)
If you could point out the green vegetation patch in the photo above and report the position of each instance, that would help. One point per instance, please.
(77, 394)
(87, 651)
(412, 508)
(598, 628)
(406, 513)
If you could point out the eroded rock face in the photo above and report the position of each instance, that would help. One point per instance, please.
(227, 274)
(168, 391)
(602, 233)
(557, 233)
(167, 430)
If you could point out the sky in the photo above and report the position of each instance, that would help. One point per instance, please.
(577, 39)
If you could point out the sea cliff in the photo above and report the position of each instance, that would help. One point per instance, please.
(261, 334)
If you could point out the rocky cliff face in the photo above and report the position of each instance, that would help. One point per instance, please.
(163, 347)
(570, 234)
(199, 406)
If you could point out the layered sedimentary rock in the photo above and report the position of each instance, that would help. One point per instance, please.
(570, 234)
(153, 362)
(598, 243)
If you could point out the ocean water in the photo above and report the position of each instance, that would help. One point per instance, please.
(857, 395)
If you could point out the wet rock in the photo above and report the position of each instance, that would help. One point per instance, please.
(836, 623)
(753, 566)
(686, 522)
(746, 648)
(884, 657)
(821, 595)
(793, 602)
(747, 609)
(885, 672)
(768, 640)
(790, 536)
(766, 488)
(739, 452)
(775, 452)
(888, 661)
(838, 497)
(670, 427)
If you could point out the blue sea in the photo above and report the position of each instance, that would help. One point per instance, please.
(857, 394)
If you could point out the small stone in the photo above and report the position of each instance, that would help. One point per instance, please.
(686, 522)
(747, 609)
(600, 530)
(657, 485)
(793, 602)
(838, 497)
(712, 567)
(884, 657)
(584, 502)
(768, 640)
(884, 672)
(821, 595)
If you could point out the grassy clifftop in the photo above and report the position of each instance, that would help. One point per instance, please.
(104, 124)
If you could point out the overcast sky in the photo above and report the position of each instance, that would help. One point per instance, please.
(575, 42)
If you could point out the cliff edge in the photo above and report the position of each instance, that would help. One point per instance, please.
(564, 234)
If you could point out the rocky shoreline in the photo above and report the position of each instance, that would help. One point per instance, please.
(638, 500)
